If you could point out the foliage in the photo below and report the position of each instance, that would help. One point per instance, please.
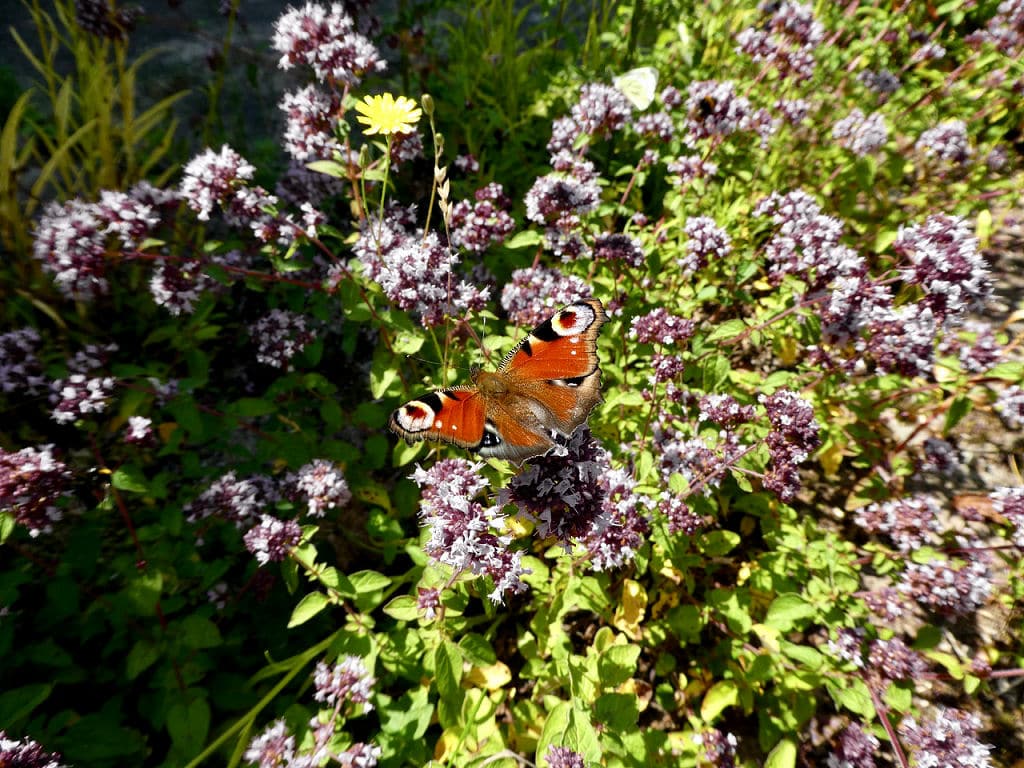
(216, 553)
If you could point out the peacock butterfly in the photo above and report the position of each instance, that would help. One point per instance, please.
(547, 384)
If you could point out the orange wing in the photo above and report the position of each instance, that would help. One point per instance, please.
(562, 347)
(554, 372)
(455, 415)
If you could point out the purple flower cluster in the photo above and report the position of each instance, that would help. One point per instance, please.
(893, 660)
(600, 111)
(949, 737)
(417, 274)
(806, 242)
(234, 500)
(855, 748)
(793, 111)
(32, 483)
(139, 431)
(910, 523)
(861, 134)
(464, 534)
(310, 114)
(272, 539)
(349, 680)
(882, 81)
(944, 259)
(559, 200)
(725, 411)
(1010, 405)
(714, 109)
(274, 748)
(616, 544)
(428, 602)
(534, 293)
(211, 179)
(686, 168)
(660, 327)
(279, 336)
(71, 237)
(572, 493)
(786, 41)
(405, 147)
(719, 747)
(177, 285)
(563, 757)
(98, 18)
(979, 351)
(940, 457)
(1009, 502)
(619, 248)
(20, 369)
(26, 753)
(701, 464)
(948, 588)
(793, 436)
(947, 142)
(1005, 30)
(477, 226)
(706, 240)
(325, 40)
(79, 395)
(321, 485)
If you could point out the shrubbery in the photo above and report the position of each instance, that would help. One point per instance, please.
(771, 545)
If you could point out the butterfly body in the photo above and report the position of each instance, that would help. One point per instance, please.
(546, 385)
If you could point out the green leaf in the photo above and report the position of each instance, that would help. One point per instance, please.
(727, 330)
(788, 612)
(403, 608)
(959, 408)
(617, 664)
(142, 655)
(368, 581)
(189, 724)
(854, 696)
(448, 670)
(380, 380)
(477, 650)
(567, 726)
(718, 543)
(526, 239)
(1012, 371)
(618, 711)
(17, 704)
(250, 407)
(199, 632)
(143, 591)
(782, 756)
(308, 607)
(720, 696)
(129, 477)
(7, 525)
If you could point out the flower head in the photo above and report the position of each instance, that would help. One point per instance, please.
(386, 115)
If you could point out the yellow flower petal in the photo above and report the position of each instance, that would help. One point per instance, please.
(384, 114)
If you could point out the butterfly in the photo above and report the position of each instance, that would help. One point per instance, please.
(547, 385)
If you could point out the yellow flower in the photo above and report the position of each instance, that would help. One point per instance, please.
(386, 115)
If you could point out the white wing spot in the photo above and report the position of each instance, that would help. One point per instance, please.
(454, 427)
(438, 424)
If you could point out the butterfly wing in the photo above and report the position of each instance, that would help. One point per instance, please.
(554, 373)
(456, 415)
